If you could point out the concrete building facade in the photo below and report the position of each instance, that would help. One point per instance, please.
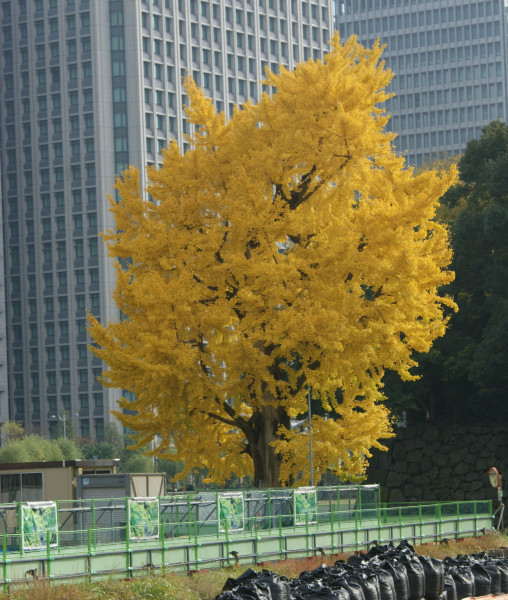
(450, 63)
(87, 88)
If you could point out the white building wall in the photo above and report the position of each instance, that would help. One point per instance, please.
(89, 87)
(449, 60)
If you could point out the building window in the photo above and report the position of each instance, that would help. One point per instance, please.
(79, 249)
(63, 303)
(92, 220)
(85, 428)
(49, 305)
(85, 20)
(21, 487)
(78, 222)
(35, 381)
(47, 252)
(66, 401)
(76, 172)
(99, 428)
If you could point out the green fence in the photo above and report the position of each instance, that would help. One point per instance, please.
(122, 536)
(185, 514)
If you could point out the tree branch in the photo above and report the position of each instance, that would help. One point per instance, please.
(218, 255)
(222, 419)
(234, 419)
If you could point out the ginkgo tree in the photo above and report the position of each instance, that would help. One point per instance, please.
(289, 247)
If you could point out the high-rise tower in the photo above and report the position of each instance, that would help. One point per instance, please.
(87, 88)
(450, 63)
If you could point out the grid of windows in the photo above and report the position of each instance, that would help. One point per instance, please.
(225, 49)
(62, 144)
(449, 65)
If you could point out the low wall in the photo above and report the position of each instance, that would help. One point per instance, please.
(430, 462)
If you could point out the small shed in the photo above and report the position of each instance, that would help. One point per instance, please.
(48, 480)
(120, 485)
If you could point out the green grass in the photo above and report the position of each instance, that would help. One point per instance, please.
(206, 584)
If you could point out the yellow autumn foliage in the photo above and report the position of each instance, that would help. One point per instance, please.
(289, 247)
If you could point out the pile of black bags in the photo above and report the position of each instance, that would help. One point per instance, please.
(383, 573)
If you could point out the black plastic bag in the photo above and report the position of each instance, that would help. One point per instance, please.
(247, 575)
(307, 577)
(342, 593)
(358, 561)
(404, 547)
(337, 585)
(314, 592)
(495, 576)
(450, 589)
(249, 590)
(482, 580)
(503, 571)
(400, 580)
(354, 589)
(464, 581)
(415, 576)
(370, 585)
(380, 550)
(335, 581)
(339, 569)
(231, 583)
(434, 576)
(386, 585)
(228, 595)
(279, 586)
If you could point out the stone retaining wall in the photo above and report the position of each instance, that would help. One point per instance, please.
(429, 462)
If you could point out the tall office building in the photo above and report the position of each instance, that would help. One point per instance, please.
(87, 88)
(4, 376)
(450, 62)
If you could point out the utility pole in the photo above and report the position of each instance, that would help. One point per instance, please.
(309, 394)
(63, 419)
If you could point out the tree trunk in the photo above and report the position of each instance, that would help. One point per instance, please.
(267, 463)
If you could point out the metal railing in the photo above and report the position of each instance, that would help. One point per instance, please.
(182, 513)
(93, 541)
